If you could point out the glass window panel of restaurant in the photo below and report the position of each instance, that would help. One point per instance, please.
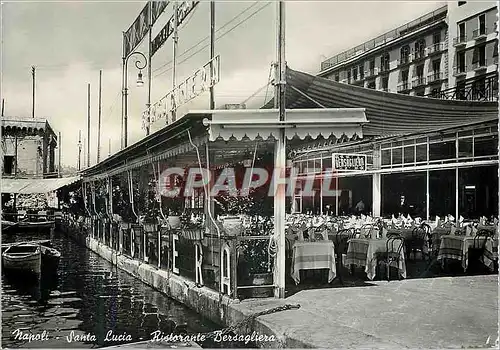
(421, 150)
(478, 191)
(485, 146)
(465, 144)
(327, 163)
(386, 155)
(442, 148)
(352, 190)
(411, 186)
(441, 193)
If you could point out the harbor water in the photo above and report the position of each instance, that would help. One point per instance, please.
(87, 303)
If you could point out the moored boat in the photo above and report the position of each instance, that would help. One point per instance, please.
(23, 257)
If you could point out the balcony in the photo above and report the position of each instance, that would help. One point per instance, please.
(405, 60)
(479, 65)
(435, 77)
(459, 70)
(404, 86)
(384, 69)
(435, 48)
(419, 55)
(371, 72)
(479, 34)
(418, 81)
(460, 40)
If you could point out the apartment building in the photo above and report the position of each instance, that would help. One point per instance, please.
(451, 52)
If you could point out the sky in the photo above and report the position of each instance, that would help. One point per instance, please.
(70, 42)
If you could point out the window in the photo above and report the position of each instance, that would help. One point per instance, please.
(385, 83)
(482, 24)
(409, 154)
(405, 54)
(385, 62)
(436, 38)
(421, 151)
(436, 66)
(461, 32)
(442, 150)
(397, 155)
(337, 77)
(404, 76)
(420, 71)
(479, 89)
(327, 163)
(361, 72)
(386, 157)
(465, 148)
(485, 146)
(479, 56)
(348, 76)
(355, 73)
(371, 85)
(461, 62)
(8, 165)
(420, 48)
(372, 65)
(460, 3)
(460, 90)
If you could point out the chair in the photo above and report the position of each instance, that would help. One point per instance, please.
(367, 230)
(476, 252)
(416, 243)
(341, 240)
(392, 255)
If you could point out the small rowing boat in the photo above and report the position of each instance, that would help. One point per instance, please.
(23, 257)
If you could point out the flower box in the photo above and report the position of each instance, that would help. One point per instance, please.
(174, 221)
(193, 234)
(232, 225)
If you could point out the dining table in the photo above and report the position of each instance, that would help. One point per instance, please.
(313, 256)
(363, 252)
(455, 247)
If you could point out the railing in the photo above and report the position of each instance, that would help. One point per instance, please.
(460, 40)
(435, 76)
(196, 254)
(371, 72)
(404, 86)
(383, 39)
(479, 34)
(385, 69)
(435, 48)
(418, 81)
(405, 60)
(418, 55)
(459, 70)
(471, 91)
(479, 65)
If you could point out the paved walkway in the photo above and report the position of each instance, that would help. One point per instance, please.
(447, 312)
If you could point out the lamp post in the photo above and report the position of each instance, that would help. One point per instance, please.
(140, 63)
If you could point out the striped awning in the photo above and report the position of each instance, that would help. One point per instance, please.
(29, 186)
(387, 113)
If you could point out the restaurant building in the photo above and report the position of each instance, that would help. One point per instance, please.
(451, 52)
(424, 157)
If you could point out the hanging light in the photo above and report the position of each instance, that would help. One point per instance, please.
(140, 82)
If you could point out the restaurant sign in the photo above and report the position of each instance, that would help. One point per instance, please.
(183, 11)
(190, 88)
(349, 162)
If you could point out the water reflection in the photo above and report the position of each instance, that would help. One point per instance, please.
(87, 295)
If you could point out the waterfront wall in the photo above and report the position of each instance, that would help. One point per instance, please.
(210, 304)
